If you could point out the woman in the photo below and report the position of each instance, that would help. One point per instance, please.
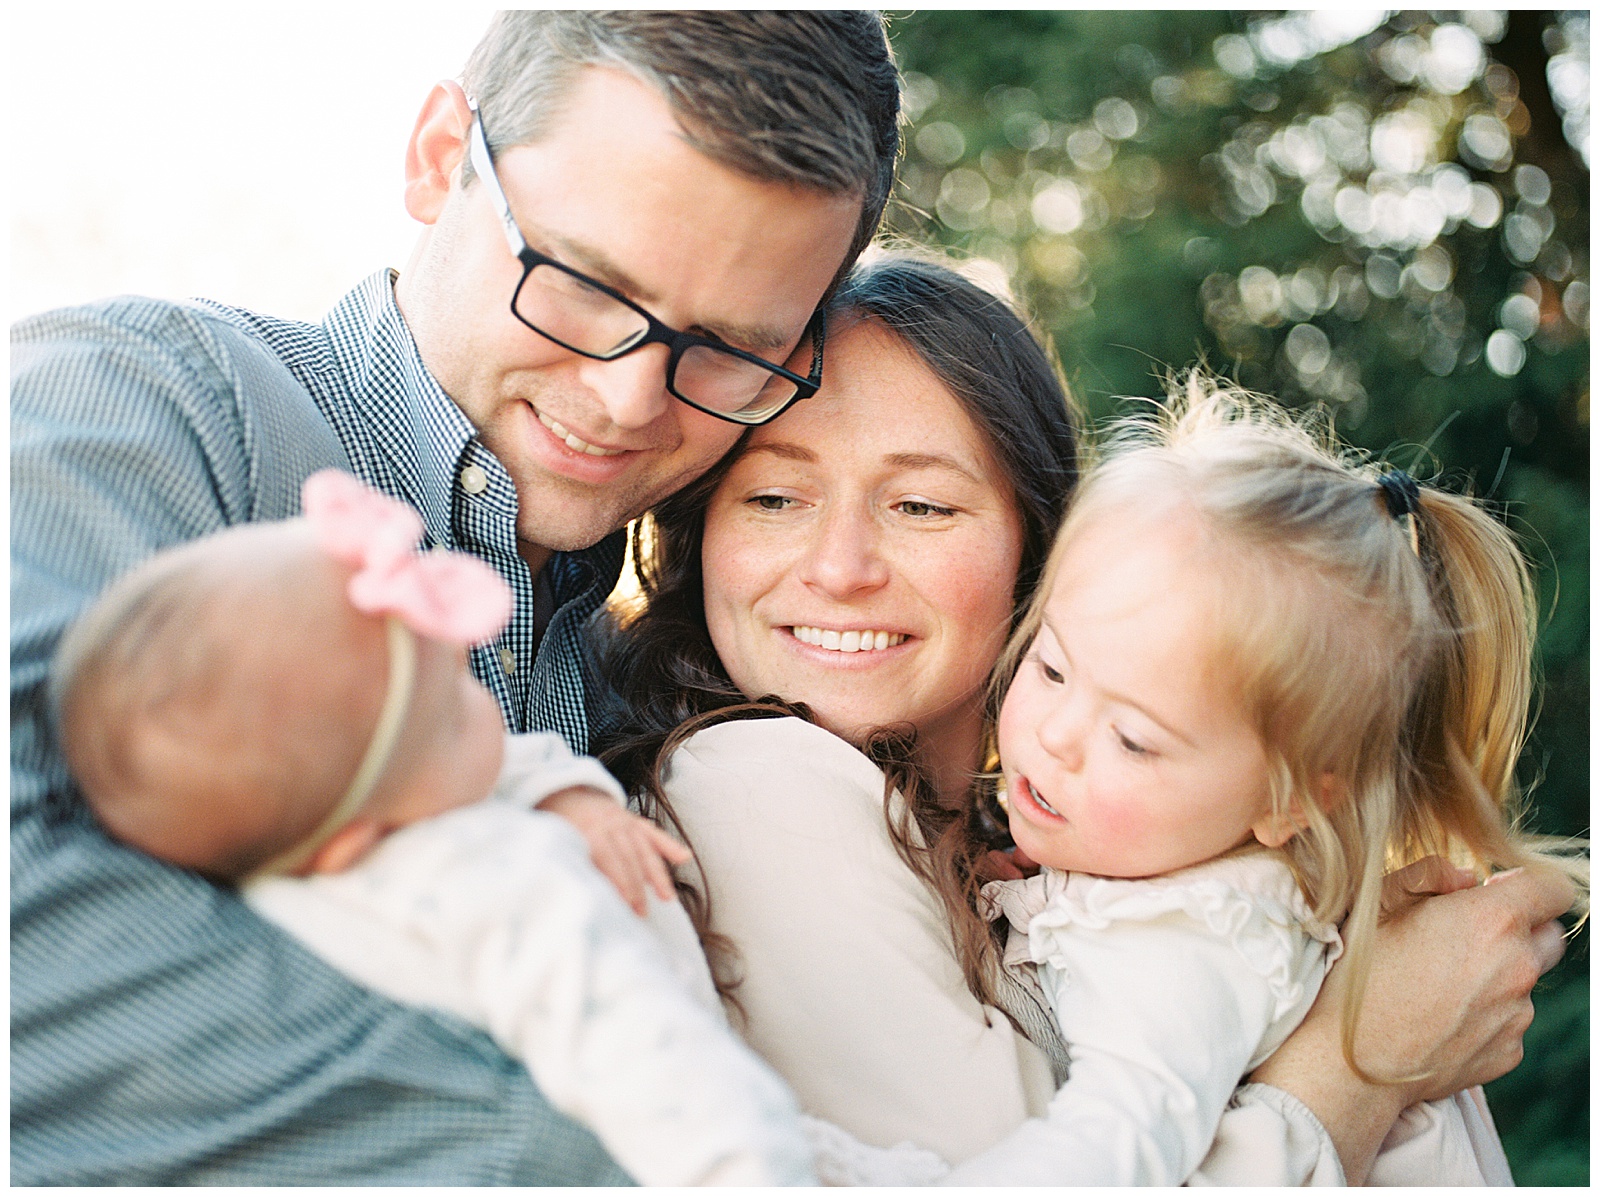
(907, 507)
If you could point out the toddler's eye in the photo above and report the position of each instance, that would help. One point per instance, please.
(921, 508)
(1051, 673)
(1131, 747)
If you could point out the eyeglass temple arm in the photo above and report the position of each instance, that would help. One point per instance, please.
(816, 348)
(483, 165)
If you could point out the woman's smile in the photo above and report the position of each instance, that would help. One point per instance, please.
(834, 641)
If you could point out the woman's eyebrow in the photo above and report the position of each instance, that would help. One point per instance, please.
(925, 461)
(782, 449)
(900, 461)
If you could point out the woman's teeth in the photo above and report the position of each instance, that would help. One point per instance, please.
(573, 442)
(847, 642)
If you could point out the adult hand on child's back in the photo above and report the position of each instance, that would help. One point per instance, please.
(1450, 994)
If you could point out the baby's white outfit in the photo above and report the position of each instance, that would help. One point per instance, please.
(494, 913)
(1168, 990)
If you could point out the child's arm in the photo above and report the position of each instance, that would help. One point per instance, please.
(495, 916)
(541, 772)
(1163, 1011)
(630, 850)
(1161, 1024)
(1156, 1054)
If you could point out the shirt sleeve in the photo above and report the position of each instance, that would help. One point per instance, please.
(1268, 1137)
(539, 764)
(1451, 1141)
(161, 1033)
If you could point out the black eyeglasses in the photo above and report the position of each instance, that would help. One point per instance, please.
(586, 316)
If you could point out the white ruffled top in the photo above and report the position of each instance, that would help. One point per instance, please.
(1249, 901)
(1168, 990)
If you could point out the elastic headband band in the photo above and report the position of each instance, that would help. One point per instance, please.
(396, 701)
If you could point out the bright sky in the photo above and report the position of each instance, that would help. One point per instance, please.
(252, 154)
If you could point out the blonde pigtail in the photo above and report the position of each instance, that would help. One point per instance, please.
(1470, 719)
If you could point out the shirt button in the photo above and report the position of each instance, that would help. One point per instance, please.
(474, 480)
(508, 659)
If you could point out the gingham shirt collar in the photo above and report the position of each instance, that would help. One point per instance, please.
(407, 437)
(418, 431)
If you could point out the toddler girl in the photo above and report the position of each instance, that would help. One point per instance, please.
(1254, 678)
(288, 705)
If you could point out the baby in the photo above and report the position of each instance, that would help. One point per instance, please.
(287, 706)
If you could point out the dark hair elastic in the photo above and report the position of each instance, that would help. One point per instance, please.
(1401, 493)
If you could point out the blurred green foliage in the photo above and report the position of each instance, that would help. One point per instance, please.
(1389, 218)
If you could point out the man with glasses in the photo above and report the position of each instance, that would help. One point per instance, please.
(631, 220)
(589, 318)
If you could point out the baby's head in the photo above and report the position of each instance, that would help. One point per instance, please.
(1244, 637)
(217, 703)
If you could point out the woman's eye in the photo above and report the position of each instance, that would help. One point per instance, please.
(922, 508)
(770, 502)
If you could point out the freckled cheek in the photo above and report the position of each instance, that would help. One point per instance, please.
(740, 568)
(972, 586)
(734, 564)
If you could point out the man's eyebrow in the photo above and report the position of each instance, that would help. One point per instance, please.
(1061, 643)
(755, 338)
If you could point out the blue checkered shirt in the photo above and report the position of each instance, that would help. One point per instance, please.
(160, 1032)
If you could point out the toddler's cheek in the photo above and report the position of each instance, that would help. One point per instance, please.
(1126, 827)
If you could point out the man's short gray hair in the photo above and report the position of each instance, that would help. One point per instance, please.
(809, 99)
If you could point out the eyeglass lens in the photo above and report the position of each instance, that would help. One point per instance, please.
(570, 311)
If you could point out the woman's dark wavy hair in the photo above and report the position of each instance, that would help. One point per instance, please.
(656, 657)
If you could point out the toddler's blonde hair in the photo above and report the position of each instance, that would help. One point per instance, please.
(1385, 660)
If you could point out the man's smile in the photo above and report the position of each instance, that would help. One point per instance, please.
(574, 442)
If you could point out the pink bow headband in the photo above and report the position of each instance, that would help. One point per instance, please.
(443, 595)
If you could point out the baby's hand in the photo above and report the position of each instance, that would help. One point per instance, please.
(629, 849)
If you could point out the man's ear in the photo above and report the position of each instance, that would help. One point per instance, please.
(346, 846)
(1276, 829)
(437, 147)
